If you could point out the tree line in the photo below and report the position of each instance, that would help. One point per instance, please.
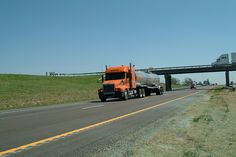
(188, 81)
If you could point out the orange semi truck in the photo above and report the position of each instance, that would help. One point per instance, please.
(124, 82)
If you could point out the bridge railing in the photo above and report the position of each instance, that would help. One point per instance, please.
(175, 68)
(145, 70)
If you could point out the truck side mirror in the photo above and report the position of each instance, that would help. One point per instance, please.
(102, 78)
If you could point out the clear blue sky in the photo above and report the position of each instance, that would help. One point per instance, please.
(84, 35)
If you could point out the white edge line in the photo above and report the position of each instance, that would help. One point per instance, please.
(85, 108)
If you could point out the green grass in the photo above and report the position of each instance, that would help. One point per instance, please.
(175, 87)
(19, 91)
(179, 87)
(218, 89)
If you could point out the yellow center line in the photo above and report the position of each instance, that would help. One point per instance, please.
(43, 141)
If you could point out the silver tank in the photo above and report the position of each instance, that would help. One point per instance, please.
(147, 79)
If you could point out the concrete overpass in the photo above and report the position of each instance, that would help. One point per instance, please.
(167, 72)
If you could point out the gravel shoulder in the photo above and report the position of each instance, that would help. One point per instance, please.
(204, 127)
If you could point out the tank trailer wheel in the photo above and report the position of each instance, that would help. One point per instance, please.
(148, 93)
(158, 92)
(162, 91)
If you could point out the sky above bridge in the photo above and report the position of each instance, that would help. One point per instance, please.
(85, 35)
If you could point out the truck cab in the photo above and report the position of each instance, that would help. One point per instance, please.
(222, 60)
(117, 83)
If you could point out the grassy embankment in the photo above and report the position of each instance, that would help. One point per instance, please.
(19, 91)
(180, 87)
(207, 128)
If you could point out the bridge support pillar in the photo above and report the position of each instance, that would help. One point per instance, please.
(227, 78)
(168, 82)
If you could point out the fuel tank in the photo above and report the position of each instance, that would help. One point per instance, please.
(147, 79)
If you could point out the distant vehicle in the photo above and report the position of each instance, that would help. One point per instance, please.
(124, 82)
(192, 86)
(233, 58)
(224, 60)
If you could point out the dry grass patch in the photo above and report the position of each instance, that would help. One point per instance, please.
(206, 129)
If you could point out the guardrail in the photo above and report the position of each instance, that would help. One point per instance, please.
(73, 74)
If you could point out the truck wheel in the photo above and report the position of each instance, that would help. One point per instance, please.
(139, 93)
(161, 93)
(103, 99)
(143, 93)
(158, 92)
(126, 96)
(161, 89)
(148, 93)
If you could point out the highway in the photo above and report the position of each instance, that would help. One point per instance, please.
(81, 129)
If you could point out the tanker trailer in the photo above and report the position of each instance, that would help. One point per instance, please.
(149, 82)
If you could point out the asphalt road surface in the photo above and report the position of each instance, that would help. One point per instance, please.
(82, 129)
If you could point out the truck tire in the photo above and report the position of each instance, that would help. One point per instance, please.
(147, 92)
(162, 91)
(143, 93)
(126, 95)
(103, 99)
(158, 92)
(139, 91)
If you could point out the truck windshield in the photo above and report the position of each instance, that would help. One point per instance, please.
(115, 76)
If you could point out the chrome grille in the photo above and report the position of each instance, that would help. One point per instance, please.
(109, 88)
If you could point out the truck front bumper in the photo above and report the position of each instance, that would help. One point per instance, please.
(116, 94)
